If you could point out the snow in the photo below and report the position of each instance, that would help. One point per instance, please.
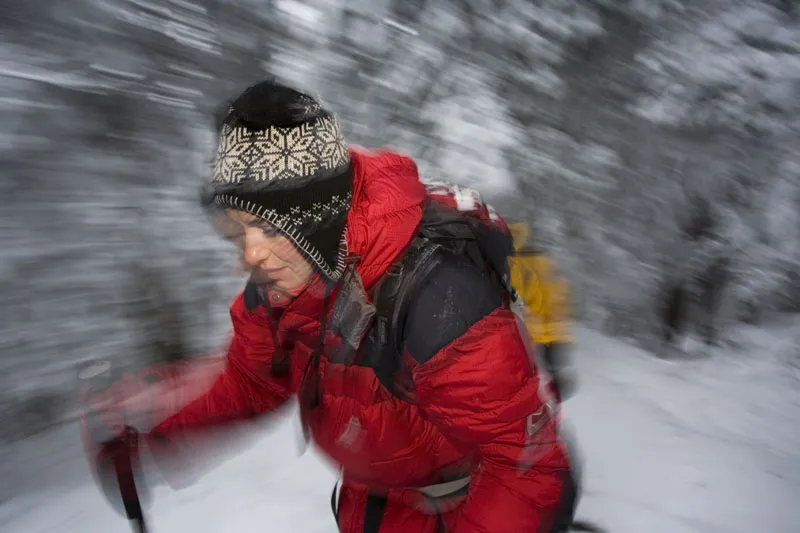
(701, 444)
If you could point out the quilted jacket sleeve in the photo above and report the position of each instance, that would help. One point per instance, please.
(243, 390)
(475, 381)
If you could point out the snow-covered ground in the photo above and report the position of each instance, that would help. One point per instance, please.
(705, 445)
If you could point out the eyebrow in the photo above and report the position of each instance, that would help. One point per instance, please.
(261, 224)
(256, 223)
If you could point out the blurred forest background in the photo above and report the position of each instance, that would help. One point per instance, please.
(652, 145)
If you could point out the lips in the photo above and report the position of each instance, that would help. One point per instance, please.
(264, 277)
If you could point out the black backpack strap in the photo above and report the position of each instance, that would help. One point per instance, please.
(392, 298)
(443, 231)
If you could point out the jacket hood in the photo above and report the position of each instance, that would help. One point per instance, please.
(388, 198)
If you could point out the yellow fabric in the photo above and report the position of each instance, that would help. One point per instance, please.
(545, 293)
(519, 233)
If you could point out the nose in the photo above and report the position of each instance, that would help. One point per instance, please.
(255, 253)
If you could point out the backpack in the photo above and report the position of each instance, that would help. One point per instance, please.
(456, 220)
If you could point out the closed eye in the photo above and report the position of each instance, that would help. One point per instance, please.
(268, 229)
(233, 238)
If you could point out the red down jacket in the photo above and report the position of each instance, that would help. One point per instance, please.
(478, 405)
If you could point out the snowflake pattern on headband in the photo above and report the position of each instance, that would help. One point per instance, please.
(279, 153)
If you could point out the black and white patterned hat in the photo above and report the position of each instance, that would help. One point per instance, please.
(281, 157)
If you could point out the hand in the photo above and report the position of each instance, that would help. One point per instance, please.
(142, 400)
(166, 388)
(110, 443)
(111, 408)
(101, 400)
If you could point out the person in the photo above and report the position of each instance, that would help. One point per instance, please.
(320, 226)
(544, 295)
(543, 304)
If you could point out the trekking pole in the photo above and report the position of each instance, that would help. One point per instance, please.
(121, 449)
(124, 468)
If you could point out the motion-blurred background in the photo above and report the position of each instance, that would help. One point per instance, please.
(651, 144)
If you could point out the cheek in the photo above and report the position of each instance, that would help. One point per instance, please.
(296, 258)
(289, 254)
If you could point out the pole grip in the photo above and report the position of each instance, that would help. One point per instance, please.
(118, 447)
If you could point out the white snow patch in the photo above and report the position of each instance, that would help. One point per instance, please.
(707, 446)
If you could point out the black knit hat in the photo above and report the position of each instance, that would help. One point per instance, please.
(282, 158)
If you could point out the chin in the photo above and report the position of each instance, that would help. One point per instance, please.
(262, 280)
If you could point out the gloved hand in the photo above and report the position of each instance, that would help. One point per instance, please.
(117, 420)
(111, 444)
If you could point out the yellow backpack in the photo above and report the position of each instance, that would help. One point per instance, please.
(543, 290)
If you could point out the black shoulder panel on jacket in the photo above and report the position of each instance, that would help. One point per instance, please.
(455, 296)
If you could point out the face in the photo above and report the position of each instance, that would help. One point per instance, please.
(267, 255)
